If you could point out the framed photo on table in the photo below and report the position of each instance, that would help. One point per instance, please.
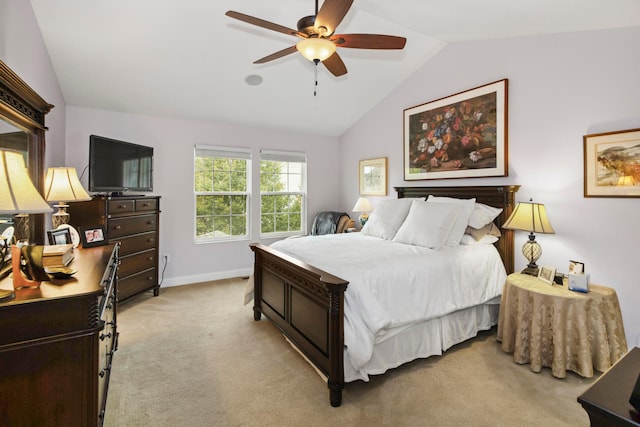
(612, 164)
(459, 136)
(93, 236)
(373, 177)
(547, 274)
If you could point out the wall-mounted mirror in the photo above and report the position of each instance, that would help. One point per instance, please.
(22, 128)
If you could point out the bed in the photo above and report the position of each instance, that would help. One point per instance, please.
(303, 292)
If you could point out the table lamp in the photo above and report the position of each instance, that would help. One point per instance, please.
(363, 206)
(531, 217)
(62, 185)
(18, 195)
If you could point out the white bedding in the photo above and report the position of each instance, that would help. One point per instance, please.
(393, 286)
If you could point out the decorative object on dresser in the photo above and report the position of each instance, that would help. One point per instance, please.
(363, 205)
(62, 185)
(460, 136)
(608, 400)
(531, 217)
(18, 195)
(134, 222)
(57, 345)
(59, 236)
(373, 177)
(550, 326)
(92, 236)
(611, 164)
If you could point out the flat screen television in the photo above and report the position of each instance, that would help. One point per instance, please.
(119, 166)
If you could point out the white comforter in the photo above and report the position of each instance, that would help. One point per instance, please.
(393, 285)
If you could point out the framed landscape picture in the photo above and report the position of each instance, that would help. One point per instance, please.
(460, 136)
(612, 164)
(373, 177)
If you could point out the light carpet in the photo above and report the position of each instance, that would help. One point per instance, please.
(193, 356)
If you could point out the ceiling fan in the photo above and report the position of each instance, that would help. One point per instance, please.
(319, 41)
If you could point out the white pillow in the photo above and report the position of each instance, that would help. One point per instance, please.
(483, 215)
(428, 224)
(386, 218)
(457, 231)
(468, 239)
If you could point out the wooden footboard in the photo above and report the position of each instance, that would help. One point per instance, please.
(307, 305)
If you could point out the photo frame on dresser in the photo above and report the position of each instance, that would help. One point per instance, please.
(459, 136)
(93, 236)
(59, 236)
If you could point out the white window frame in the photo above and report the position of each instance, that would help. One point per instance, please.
(286, 156)
(230, 153)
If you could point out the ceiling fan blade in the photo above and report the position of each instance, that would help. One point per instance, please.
(279, 54)
(331, 14)
(264, 24)
(335, 65)
(368, 41)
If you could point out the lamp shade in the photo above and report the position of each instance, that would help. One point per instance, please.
(18, 195)
(62, 185)
(316, 48)
(529, 217)
(362, 205)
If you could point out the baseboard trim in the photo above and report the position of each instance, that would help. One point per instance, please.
(206, 277)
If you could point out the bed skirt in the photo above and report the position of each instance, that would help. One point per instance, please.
(430, 338)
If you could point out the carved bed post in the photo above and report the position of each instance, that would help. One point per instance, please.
(335, 381)
(257, 290)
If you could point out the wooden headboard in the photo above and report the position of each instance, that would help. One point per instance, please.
(500, 196)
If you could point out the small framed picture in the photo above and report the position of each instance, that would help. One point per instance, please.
(60, 236)
(93, 236)
(547, 274)
(576, 267)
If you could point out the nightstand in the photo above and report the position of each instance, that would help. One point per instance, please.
(550, 326)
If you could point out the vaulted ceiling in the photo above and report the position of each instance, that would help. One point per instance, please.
(186, 59)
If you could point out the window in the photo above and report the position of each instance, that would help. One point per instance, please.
(283, 189)
(221, 188)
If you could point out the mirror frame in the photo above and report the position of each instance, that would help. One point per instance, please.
(21, 106)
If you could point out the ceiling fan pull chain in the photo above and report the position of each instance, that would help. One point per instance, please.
(315, 76)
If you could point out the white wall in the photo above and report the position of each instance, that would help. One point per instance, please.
(173, 141)
(23, 50)
(561, 87)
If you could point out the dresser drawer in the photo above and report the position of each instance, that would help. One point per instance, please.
(137, 243)
(120, 206)
(139, 282)
(145, 205)
(118, 227)
(137, 262)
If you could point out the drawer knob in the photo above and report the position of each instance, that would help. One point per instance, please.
(150, 258)
(150, 278)
(150, 240)
(103, 336)
(123, 206)
(117, 227)
(151, 222)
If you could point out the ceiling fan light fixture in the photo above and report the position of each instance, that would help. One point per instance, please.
(316, 48)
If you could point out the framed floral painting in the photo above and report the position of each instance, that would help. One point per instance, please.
(460, 136)
(612, 164)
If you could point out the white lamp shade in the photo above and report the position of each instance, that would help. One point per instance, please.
(362, 205)
(62, 185)
(17, 192)
(316, 48)
(529, 217)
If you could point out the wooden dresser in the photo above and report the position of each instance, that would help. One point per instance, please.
(133, 221)
(57, 344)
